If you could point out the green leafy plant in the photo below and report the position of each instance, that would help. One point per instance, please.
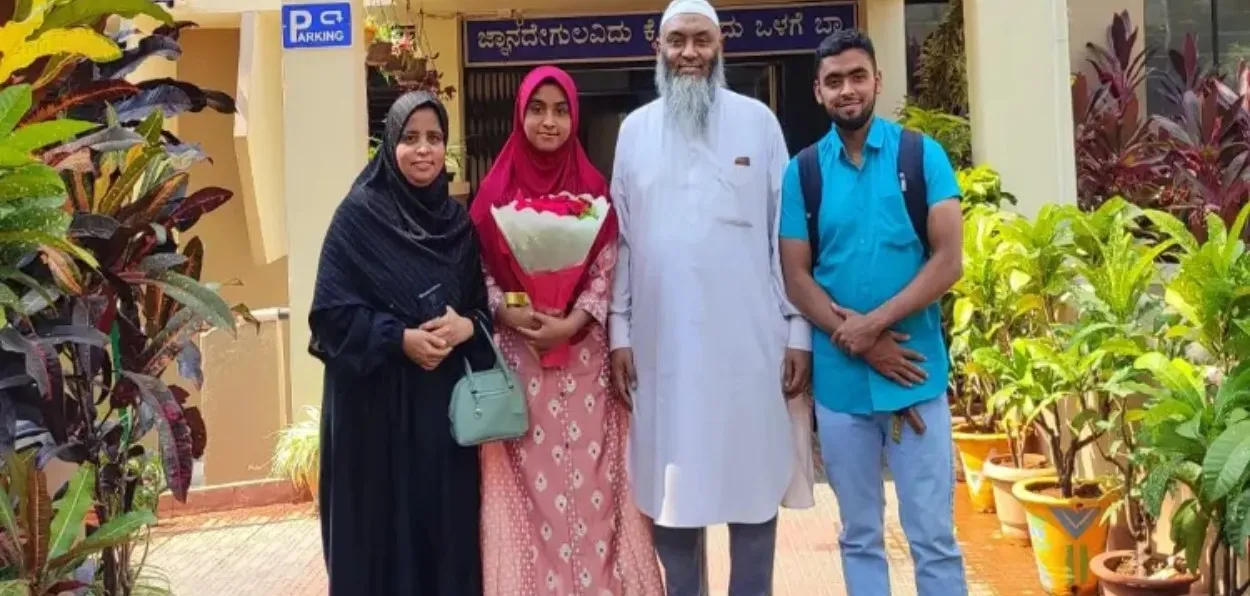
(33, 223)
(43, 551)
(982, 307)
(941, 69)
(1022, 271)
(83, 356)
(982, 185)
(1201, 432)
(952, 132)
(297, 456)
(1198, 420)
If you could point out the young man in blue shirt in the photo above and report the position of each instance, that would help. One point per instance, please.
(871, 292)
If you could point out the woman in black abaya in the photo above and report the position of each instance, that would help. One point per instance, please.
(399, 305)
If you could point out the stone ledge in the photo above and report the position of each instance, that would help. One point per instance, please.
(225, 497)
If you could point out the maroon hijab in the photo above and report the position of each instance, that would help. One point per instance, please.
(522, 170)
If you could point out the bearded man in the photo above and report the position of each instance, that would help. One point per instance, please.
(703, 339)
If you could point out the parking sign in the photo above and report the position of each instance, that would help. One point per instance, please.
(316, 25)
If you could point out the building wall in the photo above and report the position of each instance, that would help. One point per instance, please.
(244, 397)
(210, 59)
(247, 395)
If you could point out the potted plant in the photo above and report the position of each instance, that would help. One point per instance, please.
(981, 316)
(297, 456)
(1142, 571)
(1195, 424)
(1193, 428)
(380, 44)
(1065, 513)
(1033, 266)
(1072, 376)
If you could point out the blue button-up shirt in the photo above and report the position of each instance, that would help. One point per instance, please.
(868, 253)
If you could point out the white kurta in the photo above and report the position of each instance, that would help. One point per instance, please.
(699, 296)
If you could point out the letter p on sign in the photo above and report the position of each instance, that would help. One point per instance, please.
(306, 26)
(300, 21)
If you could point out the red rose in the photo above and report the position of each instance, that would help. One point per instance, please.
(561, 205)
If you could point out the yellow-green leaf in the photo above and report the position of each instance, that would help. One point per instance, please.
(41, 134)
(88, 12)
(83, 42)
(15, 101)
(15, 587)
(35, 181)
(71, 510)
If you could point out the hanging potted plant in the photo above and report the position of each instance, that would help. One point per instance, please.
(380, 43)
(411, 64)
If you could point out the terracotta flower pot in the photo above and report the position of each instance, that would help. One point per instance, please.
(413, 72)
(379, 53)
(1002, 474)
(974, 449)
(1113, 583)
(1066, 533)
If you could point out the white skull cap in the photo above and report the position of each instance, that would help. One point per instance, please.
(679, 7)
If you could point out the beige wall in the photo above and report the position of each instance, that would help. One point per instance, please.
(210, 59)
(244, 396)
(1088, 21)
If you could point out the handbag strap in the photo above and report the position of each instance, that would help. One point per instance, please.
(500, 364)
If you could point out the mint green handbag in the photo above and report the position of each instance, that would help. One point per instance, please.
(488, 405)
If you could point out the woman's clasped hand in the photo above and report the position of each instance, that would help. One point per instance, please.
(430, 343)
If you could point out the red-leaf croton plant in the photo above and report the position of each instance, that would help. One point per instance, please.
(100, 286)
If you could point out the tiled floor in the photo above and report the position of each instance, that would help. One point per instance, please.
(276, 551)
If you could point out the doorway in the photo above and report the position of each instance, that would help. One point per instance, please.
(607, 94)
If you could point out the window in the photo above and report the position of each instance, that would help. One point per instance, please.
(1222, 29)
(1233, 32)
(921, 17)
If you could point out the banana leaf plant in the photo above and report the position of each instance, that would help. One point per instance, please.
(47, 547)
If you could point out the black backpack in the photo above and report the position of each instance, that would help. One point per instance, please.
(910, 180)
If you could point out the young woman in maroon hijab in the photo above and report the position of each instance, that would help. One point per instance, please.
(557, 516)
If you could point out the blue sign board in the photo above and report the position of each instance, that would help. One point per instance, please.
(785, 29)
(317, 25)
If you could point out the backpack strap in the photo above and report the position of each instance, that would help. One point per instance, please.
(811, 185)
(911, 181)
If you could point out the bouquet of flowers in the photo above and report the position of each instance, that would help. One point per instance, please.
(550, 238)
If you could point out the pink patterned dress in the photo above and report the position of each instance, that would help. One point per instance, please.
(557, 516)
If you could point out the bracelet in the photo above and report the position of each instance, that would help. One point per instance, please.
(516, 299)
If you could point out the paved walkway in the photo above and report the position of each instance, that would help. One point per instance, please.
(276, 551)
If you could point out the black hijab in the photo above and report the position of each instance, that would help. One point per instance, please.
(390, 241)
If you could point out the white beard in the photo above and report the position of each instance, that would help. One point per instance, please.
(688, 99)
